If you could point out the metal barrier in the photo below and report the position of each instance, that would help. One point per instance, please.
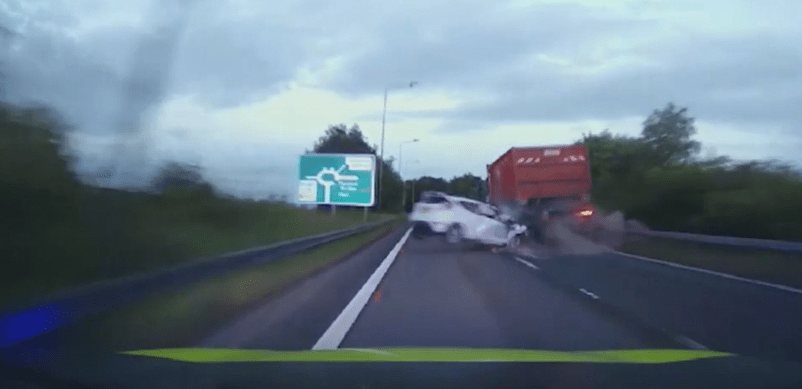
(724, 240)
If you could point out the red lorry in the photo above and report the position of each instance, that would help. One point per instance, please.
(538, 184)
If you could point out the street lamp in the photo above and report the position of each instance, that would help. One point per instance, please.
(404, 192)
(381, 155)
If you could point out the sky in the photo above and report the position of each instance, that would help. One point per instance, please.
(242, 87)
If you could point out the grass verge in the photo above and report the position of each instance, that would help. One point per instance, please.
(765, 265)
(184, 317)
(110, 234)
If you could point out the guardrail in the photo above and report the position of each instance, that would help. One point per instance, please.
(724, 240)
(67, 307)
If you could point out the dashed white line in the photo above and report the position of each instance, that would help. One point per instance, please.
(684, 340)
(724, 275)
(336, 332)
(527, 263)
(595, 297)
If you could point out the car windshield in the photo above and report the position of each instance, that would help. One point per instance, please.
(216, 194)
(433, 198)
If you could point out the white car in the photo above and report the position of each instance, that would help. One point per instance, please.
(461, 219)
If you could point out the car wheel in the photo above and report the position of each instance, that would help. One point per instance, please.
(454, 234)
(514, 242)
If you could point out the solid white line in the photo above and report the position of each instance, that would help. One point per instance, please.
(595, 297)
(527, 263)
(336, 332)
(724, 275)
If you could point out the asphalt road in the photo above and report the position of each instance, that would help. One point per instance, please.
(720, 313)
(437, 296)
(433, 295)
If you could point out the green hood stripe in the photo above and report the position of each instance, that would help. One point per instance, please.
(218, 355)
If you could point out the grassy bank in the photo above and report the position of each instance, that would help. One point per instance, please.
(764, 265)
(184, 317)
(100, 234)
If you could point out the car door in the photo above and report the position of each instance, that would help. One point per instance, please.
(470, 219)
(496, 227)
(484, 228)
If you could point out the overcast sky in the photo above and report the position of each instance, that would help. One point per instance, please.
(245, 86)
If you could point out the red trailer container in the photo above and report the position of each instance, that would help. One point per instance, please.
(539, 184)
(524, 175)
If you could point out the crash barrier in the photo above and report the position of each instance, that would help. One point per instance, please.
(724, 240)
(611, 232)
(46, 314)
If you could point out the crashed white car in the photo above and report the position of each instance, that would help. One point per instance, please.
(461, 219)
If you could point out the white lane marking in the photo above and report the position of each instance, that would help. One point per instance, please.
(527, 263)
(336, 332)
(724, 275)
(690, 343)
(595, 297)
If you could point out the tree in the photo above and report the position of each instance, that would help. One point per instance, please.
(469, 186)
(176, 177)
(424, 184)
(341, 139)
(36, 178)
(667, 135)
(616, 166)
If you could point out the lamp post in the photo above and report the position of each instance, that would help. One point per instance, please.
(404, 191)
(381, 153)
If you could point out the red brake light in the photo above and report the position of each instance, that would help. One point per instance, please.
(584, 212)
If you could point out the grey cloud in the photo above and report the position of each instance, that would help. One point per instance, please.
(51, 70)
(746, 77)
(467, 50)
(753, 79)
(227, 65)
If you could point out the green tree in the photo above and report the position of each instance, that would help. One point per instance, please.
(667, 136)
(616, 166)
(427, 183)
(341, 139)
(175, 177)
(469, 186)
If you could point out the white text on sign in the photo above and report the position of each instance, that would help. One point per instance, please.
(364, 164)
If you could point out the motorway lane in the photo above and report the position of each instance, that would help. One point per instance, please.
(436, 296)
(296, 319)
(720, 313)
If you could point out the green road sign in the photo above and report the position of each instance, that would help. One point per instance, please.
(338, 179)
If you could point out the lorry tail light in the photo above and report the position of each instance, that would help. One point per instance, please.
(584, 213)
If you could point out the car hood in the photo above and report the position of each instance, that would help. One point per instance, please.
(201, 368)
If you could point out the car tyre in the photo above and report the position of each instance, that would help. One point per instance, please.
(454, 234)
(514, 242)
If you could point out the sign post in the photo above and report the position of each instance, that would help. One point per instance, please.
(337, 179)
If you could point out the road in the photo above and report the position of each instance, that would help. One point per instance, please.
(433, 295)
(720, 313)
(436, 296)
